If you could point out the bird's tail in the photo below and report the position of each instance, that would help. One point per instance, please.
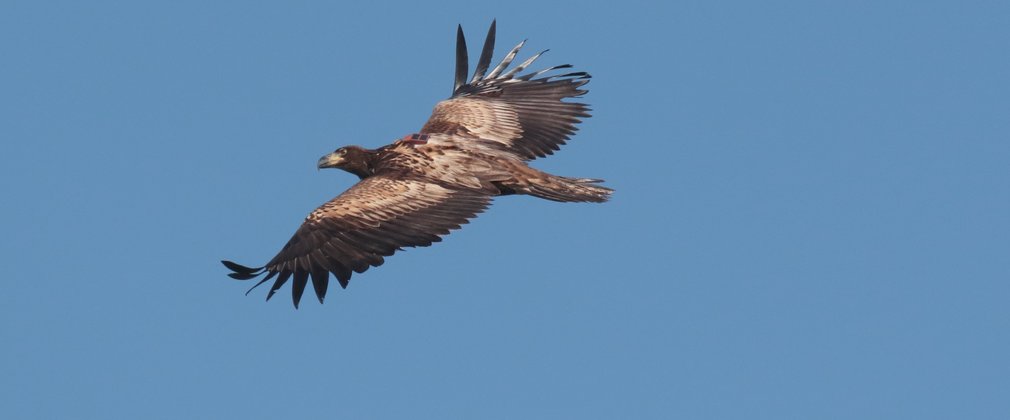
(560, 188)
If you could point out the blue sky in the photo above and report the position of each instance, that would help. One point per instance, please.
(811, 217)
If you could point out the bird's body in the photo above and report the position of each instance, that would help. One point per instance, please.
(475, 146)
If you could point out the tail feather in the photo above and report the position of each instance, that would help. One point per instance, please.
(564, 189)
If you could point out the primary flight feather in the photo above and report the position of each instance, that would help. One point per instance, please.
(475, 146)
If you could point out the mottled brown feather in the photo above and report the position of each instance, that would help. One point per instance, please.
(371, 220)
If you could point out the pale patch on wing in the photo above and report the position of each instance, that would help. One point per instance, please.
(490, 120)
(379, 199)
(466, 161)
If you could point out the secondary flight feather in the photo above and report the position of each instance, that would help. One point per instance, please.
(475, 146)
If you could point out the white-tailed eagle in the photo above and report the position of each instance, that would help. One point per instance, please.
(476, 146)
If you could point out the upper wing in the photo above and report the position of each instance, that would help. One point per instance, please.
(355, 230)
(524, 113)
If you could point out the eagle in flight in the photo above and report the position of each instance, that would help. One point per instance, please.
(476, 146)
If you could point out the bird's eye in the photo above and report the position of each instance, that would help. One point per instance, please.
(342, 151)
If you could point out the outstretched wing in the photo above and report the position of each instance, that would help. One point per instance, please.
(371, 220)
(525, 113)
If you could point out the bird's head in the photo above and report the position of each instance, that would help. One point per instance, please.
(353, 159)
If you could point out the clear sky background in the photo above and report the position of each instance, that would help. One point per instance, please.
(812, 217)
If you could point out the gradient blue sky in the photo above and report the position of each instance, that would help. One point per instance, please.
(812, 217)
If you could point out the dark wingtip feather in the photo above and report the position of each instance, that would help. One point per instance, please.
(301, 279)
(320, 282)
(268, 277)
(281, 279)
(576, 75)
(462, 61)
(344, 278)
(239, 268)
(485, 54)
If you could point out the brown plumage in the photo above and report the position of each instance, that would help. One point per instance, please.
(475, 146)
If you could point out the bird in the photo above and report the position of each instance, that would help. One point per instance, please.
(476, 145)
